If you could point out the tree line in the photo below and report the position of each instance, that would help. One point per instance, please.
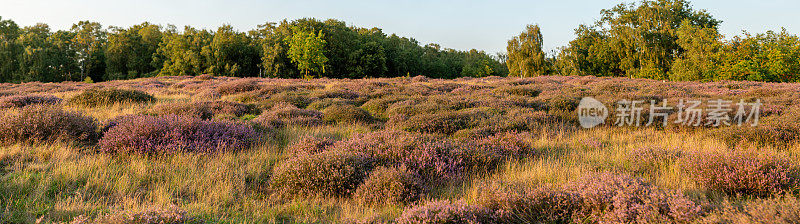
(660, 39)
(288, 49)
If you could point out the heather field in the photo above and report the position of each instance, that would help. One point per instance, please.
(182, 149)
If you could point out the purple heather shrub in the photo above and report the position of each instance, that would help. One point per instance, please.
(743, 172)
(103, 97)
(204, 110)
(615, 198)
(288, 114)
(346, 113)
(204, 77)
(446, 212)
(18, 101)
(39, 123)
(170, 134)
(434, 159)
(489, 152)
(420, 78)
(526, 91)
(341, 93)
(327, 102)
(390, 186)
(309, 145)
(237, 86)
(298, 100)
(333, 173)
(562, 103)
(446, 122)
(151, 216)
(519, 203)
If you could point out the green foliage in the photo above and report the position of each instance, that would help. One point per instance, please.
(106, 97)
(129, 52)
(306, 51)
(525, 55)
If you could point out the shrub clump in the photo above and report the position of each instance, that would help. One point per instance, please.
(516, 203)
(346, 114)
(46, 123)
(287, 114)
(330, 173)
(204, 110)
(238, 86)
(614, 198)
(100, 97)
(518, 91)
(19, 101)
(390, 185)
(309, 146)
(170, 134)
(446, 123)
(446, 212)
(743, 172)
(160, 216)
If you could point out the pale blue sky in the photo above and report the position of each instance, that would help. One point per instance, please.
(465, 24)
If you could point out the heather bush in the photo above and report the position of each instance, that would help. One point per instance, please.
(341, 93)
(378, 106)
(445, 123)
(518, 203)
(390, 186)
(346, 114)
(17, 101)
(743, 172)
(39, 123)
(562, 103)
(615, 198)
(298, 100)
(204, 110)
(170, 134)
(101, 97)
(327, 102)
(782, 210)
(237, 86)
(333, 173)
(151, 216)
(287, 114)
(204, 77)
(309, 146)
(518, 91)
(446, 212)
(491, 151)
(434, 159)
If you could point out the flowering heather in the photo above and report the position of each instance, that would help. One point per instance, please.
(45, 123)
(25, 100)
(489, 152)
(101, 97)
(151, 216)
(518, 203)
(342, 94)
(309, 145)
(445, 123)
(293, 98)
(389, 186)
(287, 114)
(346, 114)
(321, 104)
(333, 173)
(204, 110)
(237, 86)
(518, 91)
(608, 197)
(446, 212)
(432, 158)
(743, 172)
(170, 134)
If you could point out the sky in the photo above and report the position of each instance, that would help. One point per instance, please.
(462, 25)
